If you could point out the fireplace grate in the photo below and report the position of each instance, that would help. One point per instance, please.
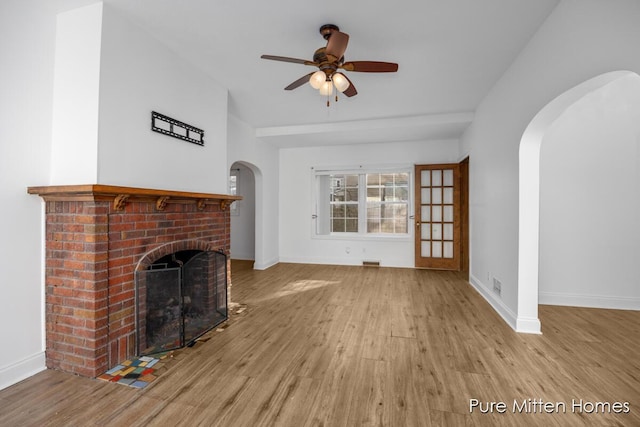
(178, 298)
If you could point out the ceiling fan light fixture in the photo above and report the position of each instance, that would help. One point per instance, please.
(317, 79)
(329, 59)
(326, 88)
(340, 81)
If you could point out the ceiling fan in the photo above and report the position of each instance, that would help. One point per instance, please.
(329, 59)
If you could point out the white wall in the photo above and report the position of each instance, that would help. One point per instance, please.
(26, 102)
(137, 75)
(590, 201)
(296, 241)
(74, 152)
(580, 39)
(109, 76)
(263, 159)
(243, 225)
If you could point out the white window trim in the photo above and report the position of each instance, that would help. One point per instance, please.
(361, 234)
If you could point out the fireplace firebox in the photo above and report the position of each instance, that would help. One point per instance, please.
(179, 297)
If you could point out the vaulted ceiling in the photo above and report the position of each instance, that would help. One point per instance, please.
(450, 53)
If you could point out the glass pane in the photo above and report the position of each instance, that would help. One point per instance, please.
(373, 179)
(338, 211)
(425, 249)
(448, 177)
(447, 232)
(436, 196)
(436, 213)
(351, 194)
(373, 225)
(402, 179)
(448, 249)
(401, 193)
(436, 249)
(436, 231)
(351, 225)
(401, 210)
(338, 226)
(401, 226)
(425, 195)
(373, 210)
(425, 178)
(373, 194)
(436, 177)
(388, 226)
(448, 196)
(425, 231)
(352, 180)
(425, 213)
(351, 211)
(448, 213)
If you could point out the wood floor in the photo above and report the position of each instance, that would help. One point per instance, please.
(357, 346)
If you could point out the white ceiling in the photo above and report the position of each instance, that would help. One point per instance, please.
(450, 53)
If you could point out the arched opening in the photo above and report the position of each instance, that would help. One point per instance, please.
(245, 178)
(529, 194)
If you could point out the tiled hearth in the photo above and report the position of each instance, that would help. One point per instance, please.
(96, 235)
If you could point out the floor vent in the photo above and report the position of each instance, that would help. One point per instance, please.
(371, 263)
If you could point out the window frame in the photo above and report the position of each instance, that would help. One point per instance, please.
(321, 207)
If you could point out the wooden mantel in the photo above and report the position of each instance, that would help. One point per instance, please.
(121, 195)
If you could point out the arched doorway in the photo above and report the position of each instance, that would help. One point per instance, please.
(529, 194)
(242, 181)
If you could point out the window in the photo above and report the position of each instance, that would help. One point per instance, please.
(343, 199)
(234, 178)
(387, 202)
(364, 203)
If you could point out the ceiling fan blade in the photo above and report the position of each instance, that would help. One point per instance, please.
(336, 46)
(287, 59)
(370, 66)
(351, 90)
(302, 80)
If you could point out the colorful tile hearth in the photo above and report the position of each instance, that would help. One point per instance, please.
(138, 372)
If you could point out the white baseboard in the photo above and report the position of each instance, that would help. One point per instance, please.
(243, 257)
(341, 261)
(518, 324)
(591, 301)
(320, 261)
(528, 325)
(265, 265)
(23, 369)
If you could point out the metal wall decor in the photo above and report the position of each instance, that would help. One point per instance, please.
(175, 128)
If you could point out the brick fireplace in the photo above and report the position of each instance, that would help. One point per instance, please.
(96, 238)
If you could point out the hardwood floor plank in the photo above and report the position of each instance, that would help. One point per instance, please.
(344, 346)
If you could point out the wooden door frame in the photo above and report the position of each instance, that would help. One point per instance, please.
(464, 216)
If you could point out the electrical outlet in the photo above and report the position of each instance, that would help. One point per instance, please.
(497, 286)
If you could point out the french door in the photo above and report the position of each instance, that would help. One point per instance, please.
(437, 216)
